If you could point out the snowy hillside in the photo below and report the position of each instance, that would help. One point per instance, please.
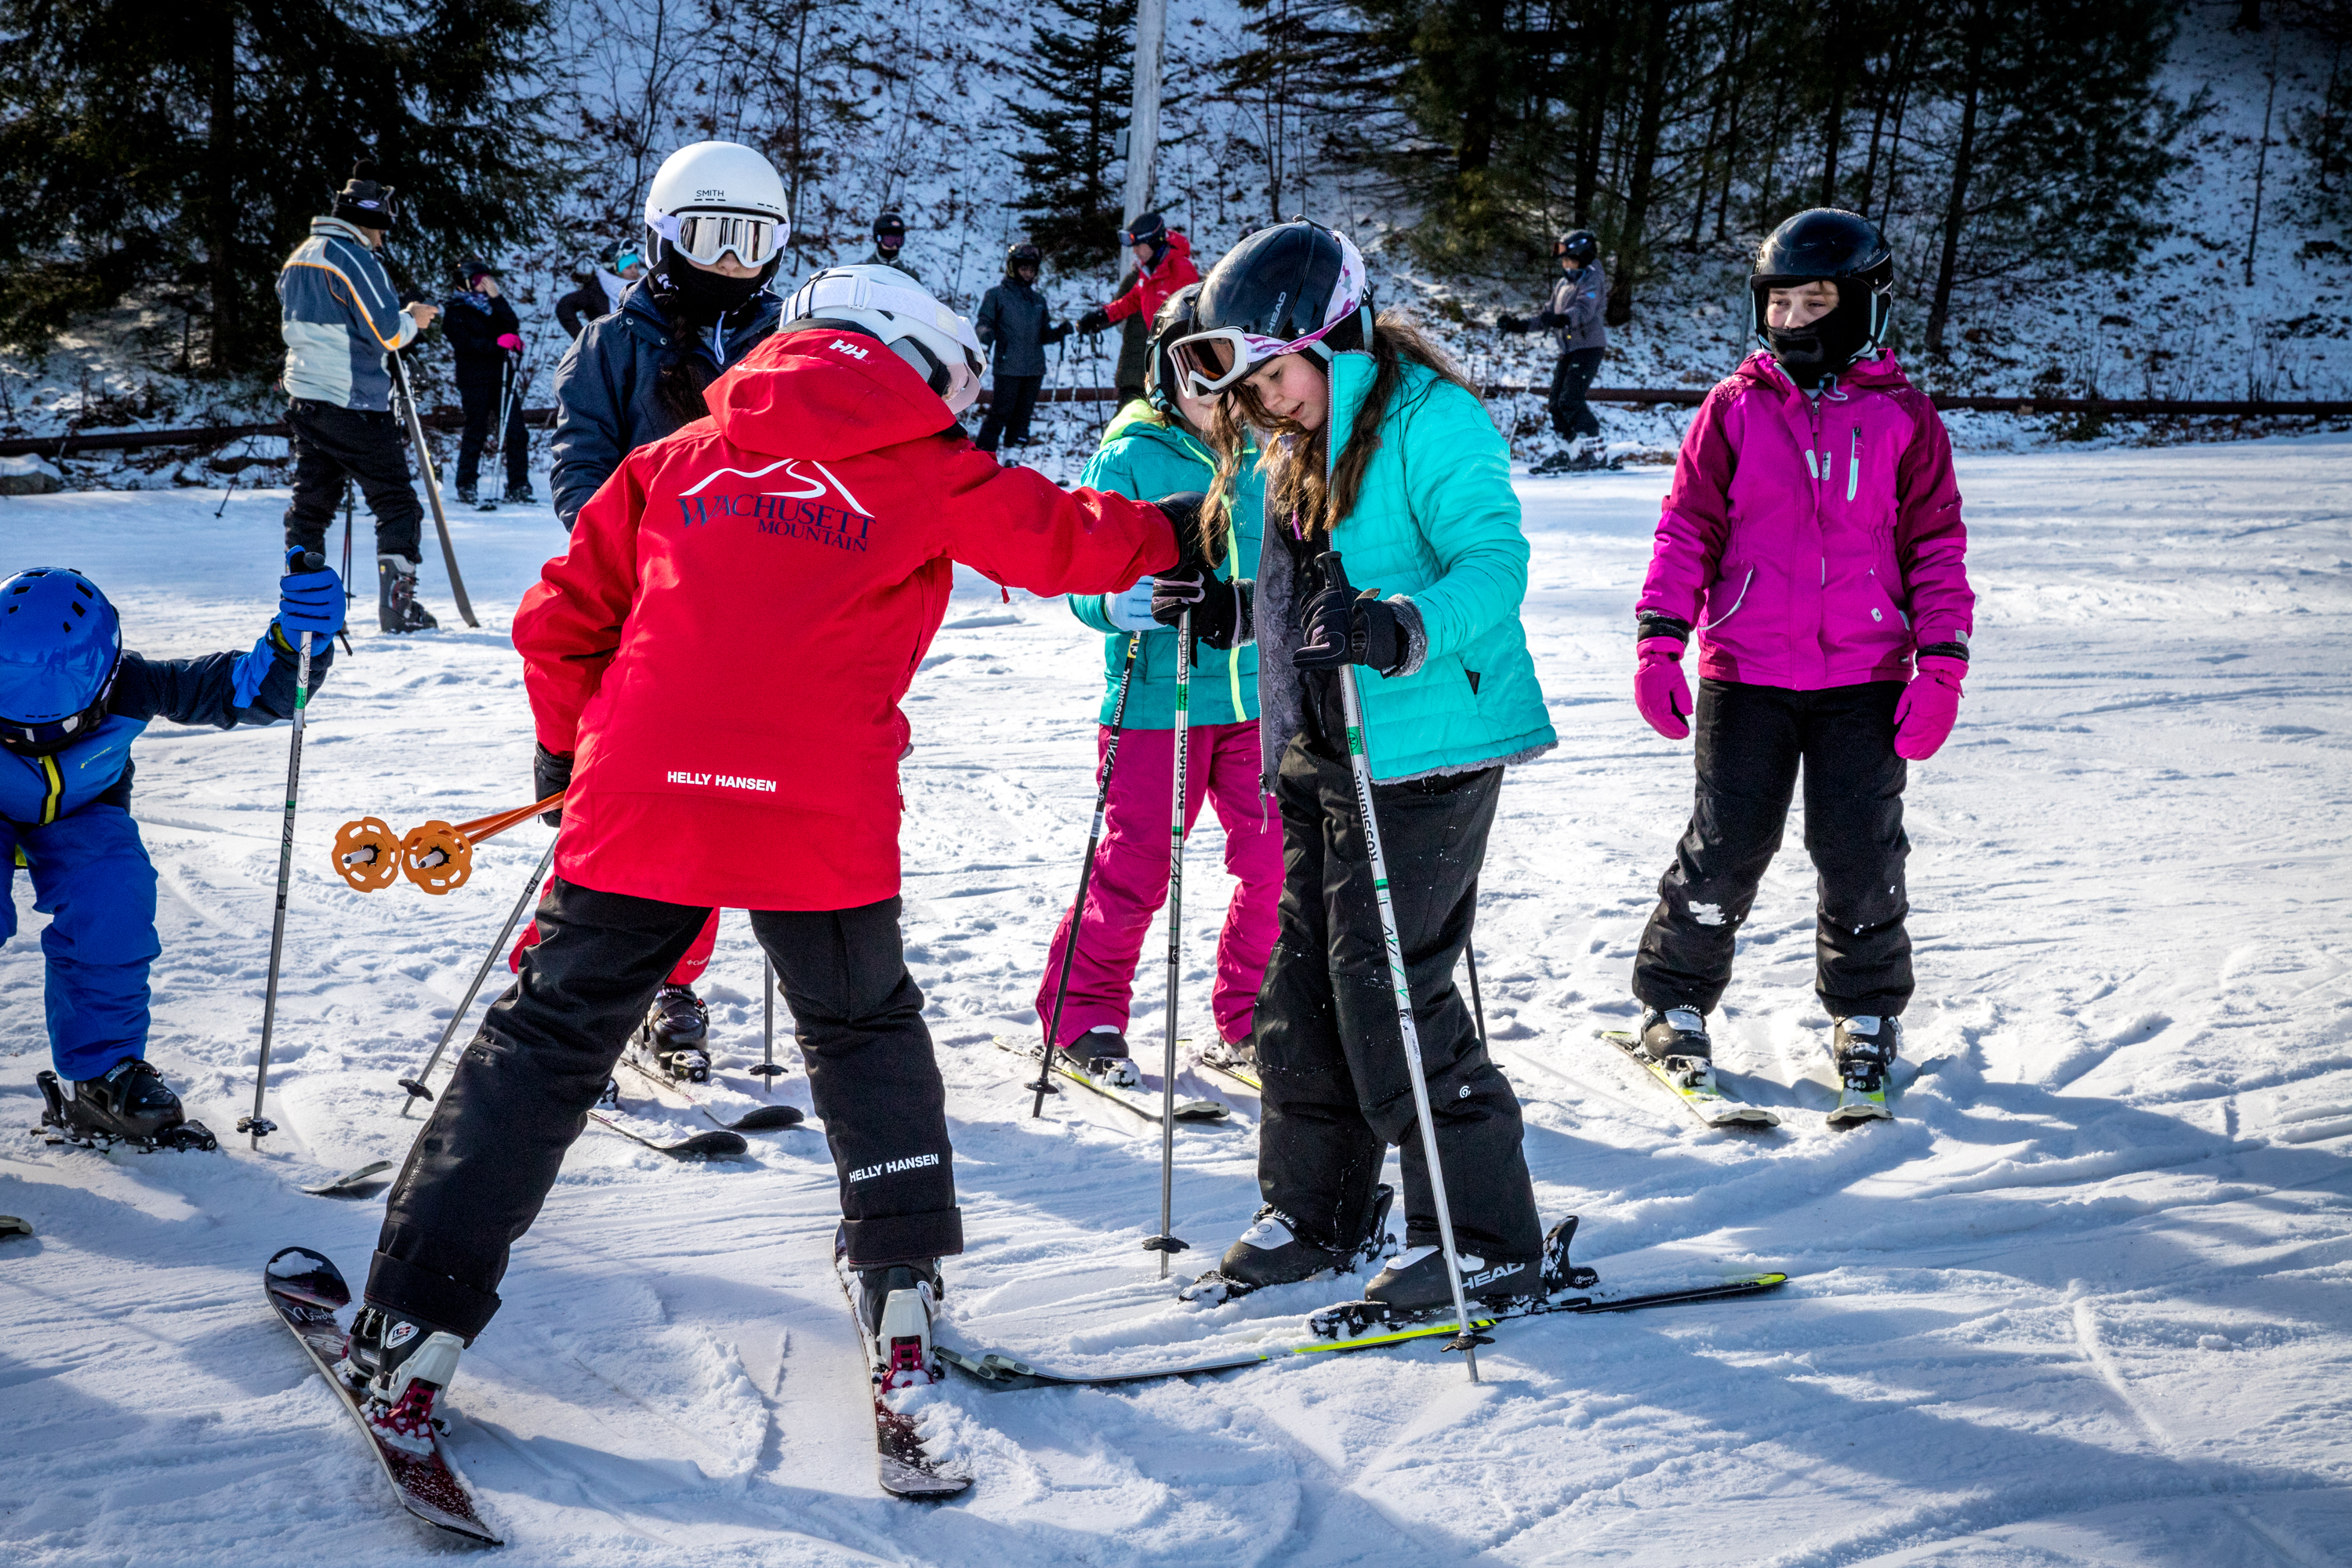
(2084, 1304)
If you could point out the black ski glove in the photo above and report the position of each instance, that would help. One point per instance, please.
(1511, 324)
(1055, 334)
(1095, 321)
(549, 773)
(1549, 321)
(1344, 627)
(1221, 610)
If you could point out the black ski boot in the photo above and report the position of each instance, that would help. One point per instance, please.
(397, 609)
(1105, 1053)
(1416, 1282)
(1866, 1048)
(396, 1366)
(466, 493)
(127, 1103)
(520, 495)
(1676, 1040)
(1272, 1252)
(675, 1033)
(894, 1308)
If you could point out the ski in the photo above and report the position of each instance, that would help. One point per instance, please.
(1233, 1072)
(1706, 1101)
(352, 1183)
(1856, 1107)
(759, 1119)
(902, 1466)
(1144, 1105)
(307, 1290)
(701, 1146)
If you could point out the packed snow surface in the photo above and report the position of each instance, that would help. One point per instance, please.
(2084, 1303)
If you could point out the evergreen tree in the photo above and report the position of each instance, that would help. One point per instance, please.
(177, 155)
(1084, 72)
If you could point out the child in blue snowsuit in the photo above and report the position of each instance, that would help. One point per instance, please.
(71, 702)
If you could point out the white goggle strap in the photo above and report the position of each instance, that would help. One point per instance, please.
(843, 291)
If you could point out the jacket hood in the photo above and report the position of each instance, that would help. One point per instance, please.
(1761, 371)
(1179, 246)
(824, 395)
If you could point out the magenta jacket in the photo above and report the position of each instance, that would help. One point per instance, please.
(1812, 544)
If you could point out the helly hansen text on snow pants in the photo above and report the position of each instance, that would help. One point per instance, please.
(371, 447)
(1131, 878)
(1330, 1051)
(1571, 415)
(1010, 405)
(482, 390)
(92, 877)
(522, 1091)
(1749, 742)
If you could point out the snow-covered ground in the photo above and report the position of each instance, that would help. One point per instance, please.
(2085, 1303)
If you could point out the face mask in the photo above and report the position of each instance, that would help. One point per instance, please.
(1826, 345)
(700, 296)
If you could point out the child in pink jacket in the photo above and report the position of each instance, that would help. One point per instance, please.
(1812, 538)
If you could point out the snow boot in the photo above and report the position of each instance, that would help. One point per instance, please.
(1675, 1039)
(398, 1366)
(1104, 1050)
(1272, 1252)
(129, 1103)
(894, 1308)
(674, 1034)
(1415, 1281)
(397, 609)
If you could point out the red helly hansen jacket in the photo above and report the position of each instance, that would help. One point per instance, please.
(725, 644)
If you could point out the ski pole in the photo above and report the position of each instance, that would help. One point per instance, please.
(1166, 1242)
(415, 1086)
(1086, 875)
(767, 1070)
(1464, 1339)
(257, 1125)
(432, 489)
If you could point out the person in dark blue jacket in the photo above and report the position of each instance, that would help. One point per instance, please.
(71, 702)
(485, 339)
(1015, 323)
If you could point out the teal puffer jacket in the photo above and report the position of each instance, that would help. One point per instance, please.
(1144, 456)
(1438, 521)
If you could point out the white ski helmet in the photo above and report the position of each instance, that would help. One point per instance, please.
(884, 302)
(711, 197)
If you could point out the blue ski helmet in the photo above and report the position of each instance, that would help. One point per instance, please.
(61, 645)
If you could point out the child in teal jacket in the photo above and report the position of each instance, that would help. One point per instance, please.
(1154, 449)
(1376, 450)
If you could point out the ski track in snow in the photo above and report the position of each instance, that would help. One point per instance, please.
(2083, 1304)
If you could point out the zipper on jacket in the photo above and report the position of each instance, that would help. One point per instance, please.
(1853, 463)
(1727, 614)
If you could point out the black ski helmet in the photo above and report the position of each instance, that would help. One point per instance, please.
(1023, 255)
(1581, 246)
(1179, 318)
(1824, 245)
(365, 201)
(1149, 228)
(1295, 281)
(474, 267)
(889, 226)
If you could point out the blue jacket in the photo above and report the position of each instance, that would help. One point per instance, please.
(1438, 524)
(606, 401)
(223, 689)
(1145, 457)
(338, 313)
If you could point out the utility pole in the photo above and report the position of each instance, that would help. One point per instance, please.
(1143, 124)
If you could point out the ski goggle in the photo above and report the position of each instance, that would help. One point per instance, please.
(703, 238)
(1212, 360)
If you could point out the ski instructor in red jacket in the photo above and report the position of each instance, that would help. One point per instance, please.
(714, 666)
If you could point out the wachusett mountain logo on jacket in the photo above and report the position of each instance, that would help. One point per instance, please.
(809, 510)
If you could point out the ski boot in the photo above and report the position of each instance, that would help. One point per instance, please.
(1676, 1040)
(520, 495)
(397, 609)
(1271, 1252)
(894, 1308)
(466, 493)
(1865, 1047)
(1415, 1283)
(1232, 1056)
(127, 1103)
(396, 1367)
(673, 1035)
(1104, 1050)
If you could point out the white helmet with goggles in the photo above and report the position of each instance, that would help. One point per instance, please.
(713, 199)
(884, 303)
(1296, 288)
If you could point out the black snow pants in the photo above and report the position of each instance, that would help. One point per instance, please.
(1571, 415)
(481, 388)
(522, 1091)
(372, 447)
(1009, 408)
(1329, 1050)
(1749, 742)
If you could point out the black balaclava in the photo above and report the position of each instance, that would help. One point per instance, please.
(699, 294)
(1826, 345)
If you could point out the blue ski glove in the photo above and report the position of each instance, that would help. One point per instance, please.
(1131, 611)
(310, 601)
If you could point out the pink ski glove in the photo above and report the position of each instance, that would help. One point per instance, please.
(1929, 706)
(511, 342)
(1659, 689)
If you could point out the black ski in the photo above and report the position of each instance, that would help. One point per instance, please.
(902, 1466)
(701, 1146)
(759, 1119)
(352, 1183)
(307, 1290)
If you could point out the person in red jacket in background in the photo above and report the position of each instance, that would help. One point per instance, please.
(1163, 264)
(715, 667)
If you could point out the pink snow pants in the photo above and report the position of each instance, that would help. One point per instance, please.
(1131, 878)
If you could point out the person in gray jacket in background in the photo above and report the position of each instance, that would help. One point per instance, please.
(1573, 315)
(339, 315)
(1014, 324)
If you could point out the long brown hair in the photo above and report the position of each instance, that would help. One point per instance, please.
(1293, 458)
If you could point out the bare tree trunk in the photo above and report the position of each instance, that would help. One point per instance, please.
(220, 157)
(1741, 31)
(1956, 210)
(1834, 129)
(1631, 252)
(2262, 158)
(1594, 118)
